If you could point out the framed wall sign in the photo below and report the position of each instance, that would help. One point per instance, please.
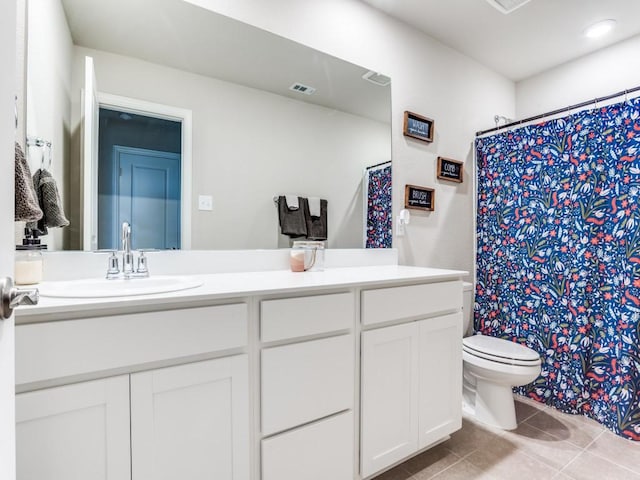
(419, 198)
(451, 170)
(418, 127)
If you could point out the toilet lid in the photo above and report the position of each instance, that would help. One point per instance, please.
(499, 349)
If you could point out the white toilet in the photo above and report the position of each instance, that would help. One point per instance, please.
(492, 366)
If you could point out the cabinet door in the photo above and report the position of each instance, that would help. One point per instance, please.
(191, 421)
(389, 426)
(440, 410)
(74, 432)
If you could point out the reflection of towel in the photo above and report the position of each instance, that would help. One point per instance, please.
(292, 222)
(292, 202)
(49, 200)
(26, 207)
(317, 225)
(314, 206)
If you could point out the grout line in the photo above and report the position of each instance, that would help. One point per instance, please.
(574, 422)
(595, 453)
(529, 417)
(518, 448)
(460, 459)
(600, 457)
(559, 469)
(560, 439)
(594, 440)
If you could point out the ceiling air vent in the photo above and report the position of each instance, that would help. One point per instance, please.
(300, 88)
(377, 78)
(507, 6)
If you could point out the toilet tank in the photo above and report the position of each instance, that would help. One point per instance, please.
(467, 308)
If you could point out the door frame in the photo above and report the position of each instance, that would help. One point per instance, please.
(166, 112)
(9, 123)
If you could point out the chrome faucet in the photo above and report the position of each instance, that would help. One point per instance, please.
(127, 255)
(128, 259)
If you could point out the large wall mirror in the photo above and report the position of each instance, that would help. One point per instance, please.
(188, 124)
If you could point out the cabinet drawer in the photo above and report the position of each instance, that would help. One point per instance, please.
(320, 451)
(47, 351)
(414, 301)
(306, 381)
(296, 317)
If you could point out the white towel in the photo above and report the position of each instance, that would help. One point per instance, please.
(314, 206)
(292, 202)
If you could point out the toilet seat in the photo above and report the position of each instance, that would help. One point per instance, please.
(500, 351)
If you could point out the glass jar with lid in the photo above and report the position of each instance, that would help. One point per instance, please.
(307, 256)
(29, 261)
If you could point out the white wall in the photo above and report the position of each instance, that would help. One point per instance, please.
(48, 92)
(602, 73)
(248, 143)
(428, 78)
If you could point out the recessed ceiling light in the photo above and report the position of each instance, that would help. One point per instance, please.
(599, 29)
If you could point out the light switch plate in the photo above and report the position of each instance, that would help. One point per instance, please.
(205, 202)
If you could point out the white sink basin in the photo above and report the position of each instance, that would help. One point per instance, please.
(100, 287)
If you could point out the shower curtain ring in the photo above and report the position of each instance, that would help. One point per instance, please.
(626, 96)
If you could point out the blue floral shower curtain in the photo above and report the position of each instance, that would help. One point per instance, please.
(558, 263)
(378, 232)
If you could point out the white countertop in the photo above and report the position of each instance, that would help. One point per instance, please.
(220, 286)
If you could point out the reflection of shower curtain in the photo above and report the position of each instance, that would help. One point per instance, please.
(559, 257)
(377, 187)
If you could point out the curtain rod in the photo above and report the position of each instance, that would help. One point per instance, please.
(378, 165)
(559, 110)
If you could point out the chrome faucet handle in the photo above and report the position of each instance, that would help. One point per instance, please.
(143, 266)
(127, 262)
(113, 268)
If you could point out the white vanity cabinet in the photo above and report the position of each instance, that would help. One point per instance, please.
(189, 420)
(308, 387)
(411, 371)
(334, 375)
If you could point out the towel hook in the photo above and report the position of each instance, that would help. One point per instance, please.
(45, 149)
(50, 155)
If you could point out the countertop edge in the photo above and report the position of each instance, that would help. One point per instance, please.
(330, 279)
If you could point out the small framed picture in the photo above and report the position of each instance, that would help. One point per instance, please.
(419, 198)
(418, 127)
(450, 170)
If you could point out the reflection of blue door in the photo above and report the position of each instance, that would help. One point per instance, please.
(148, 196)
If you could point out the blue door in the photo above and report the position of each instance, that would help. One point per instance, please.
(149, 196)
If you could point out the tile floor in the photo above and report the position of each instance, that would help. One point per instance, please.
(546, 445)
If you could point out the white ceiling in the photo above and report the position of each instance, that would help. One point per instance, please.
(186, 37)
(539, 35)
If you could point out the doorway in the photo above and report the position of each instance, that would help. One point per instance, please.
(139, 179)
